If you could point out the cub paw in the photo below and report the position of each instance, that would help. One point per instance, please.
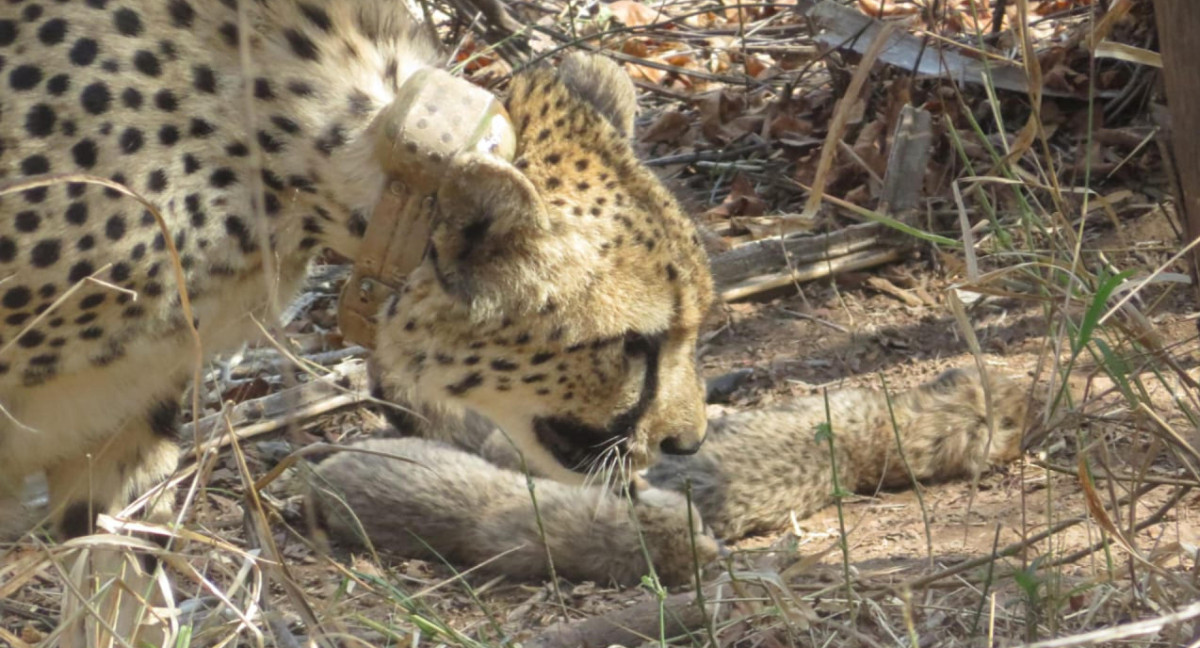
(675, 536)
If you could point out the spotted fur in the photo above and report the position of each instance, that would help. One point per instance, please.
(587, 293)
(761, 467)
(571, 263)
(457, 493)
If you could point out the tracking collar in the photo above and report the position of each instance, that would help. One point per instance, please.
(434, 117)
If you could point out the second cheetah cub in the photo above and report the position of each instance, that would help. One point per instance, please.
(758, 467)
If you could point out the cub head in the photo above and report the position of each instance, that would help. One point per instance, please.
(561, 295)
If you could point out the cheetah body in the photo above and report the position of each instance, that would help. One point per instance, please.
(254, 138)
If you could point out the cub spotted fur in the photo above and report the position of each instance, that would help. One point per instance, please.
(430, 500)
(568, 281)
(758, 467)
(754, 471)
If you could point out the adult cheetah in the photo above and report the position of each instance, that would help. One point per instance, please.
(560, 294)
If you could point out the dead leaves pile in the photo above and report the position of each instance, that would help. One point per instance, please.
(759, 138)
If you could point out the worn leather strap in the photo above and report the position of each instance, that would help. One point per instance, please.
(434, 117)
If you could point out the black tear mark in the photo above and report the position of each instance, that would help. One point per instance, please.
(635, 343)
(577, 445)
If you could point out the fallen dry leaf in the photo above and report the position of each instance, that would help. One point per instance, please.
(887, 8)
(669, 53)
(754, 66)
(786, 125)
(742, 200)
(723, 116)
(1048, 7)
(474, 55)
(636, 14)
(669, 127)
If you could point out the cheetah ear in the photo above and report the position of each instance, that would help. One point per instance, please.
(601, 82)
(486, 192)
(489, 216)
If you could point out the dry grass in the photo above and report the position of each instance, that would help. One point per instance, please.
(1099, 546)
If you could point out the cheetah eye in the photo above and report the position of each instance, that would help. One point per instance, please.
(636, 343)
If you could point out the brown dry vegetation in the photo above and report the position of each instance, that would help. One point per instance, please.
(1044, 244)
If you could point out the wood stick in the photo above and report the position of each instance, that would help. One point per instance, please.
(847, 263)
(770, 255)
(345, 385)
(907, 162)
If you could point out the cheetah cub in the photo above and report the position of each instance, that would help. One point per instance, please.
(758, 467)
(431, 500)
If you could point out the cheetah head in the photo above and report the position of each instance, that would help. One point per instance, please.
(561, 295)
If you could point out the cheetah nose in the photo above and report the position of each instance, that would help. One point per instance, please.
(674, 446)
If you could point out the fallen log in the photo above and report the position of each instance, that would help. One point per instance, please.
(776, 254)
(810, 271)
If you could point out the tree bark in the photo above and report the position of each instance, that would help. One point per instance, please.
(1178, 27)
